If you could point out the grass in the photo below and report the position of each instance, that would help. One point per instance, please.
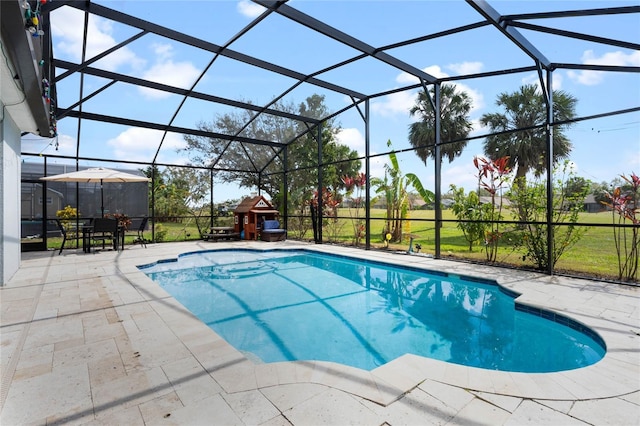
(593, 255)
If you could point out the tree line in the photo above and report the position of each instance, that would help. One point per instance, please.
(516, 141)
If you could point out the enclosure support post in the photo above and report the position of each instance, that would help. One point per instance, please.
(437, 170)
(549, 165)
(367, 197)
(153, 203)
(45, 213)
(285, 186)
(320, 184)
(78, 191)
(259, 183)
(211, 197)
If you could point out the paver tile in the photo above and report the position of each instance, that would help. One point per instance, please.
(84, 353)
(93, 341)
(62, 392)
(610, 411)
(285, 397)
(532, 413)
(51, 331)
(133, 389)
(277, 421)
(332, 407)
(266, 375)
(155, 410)
(452, 396)
(212, 411)
(479, 412)
(190, 380)
(507, 403)
(129, 416)
(251, 406)
(555, 404)
(416, 408)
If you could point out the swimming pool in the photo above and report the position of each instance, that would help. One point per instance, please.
(284, 305)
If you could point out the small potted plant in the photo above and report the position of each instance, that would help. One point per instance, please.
(123, 219)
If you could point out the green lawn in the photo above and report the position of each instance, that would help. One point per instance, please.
(594, 255)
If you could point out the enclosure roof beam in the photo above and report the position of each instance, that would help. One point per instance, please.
(174, 129)
(329, 31)
(573, 13)
(85, 64)
(179, 91)
(492, 16)
(579, 36)
(133, 21)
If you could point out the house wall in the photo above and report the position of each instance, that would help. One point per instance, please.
(9, 197)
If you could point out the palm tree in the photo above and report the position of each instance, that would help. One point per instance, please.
(525, 109)
(454, 123)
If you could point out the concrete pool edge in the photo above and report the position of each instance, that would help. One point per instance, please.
(614, 374)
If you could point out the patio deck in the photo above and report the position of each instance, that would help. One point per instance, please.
(89, 339)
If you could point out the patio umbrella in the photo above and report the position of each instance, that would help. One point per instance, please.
(97, 174)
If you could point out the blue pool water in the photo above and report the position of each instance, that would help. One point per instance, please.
(283, 305)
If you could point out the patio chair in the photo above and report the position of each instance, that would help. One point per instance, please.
(105, 230)
(271, 231)
(63, 232)
(141, 228)
(68, 229)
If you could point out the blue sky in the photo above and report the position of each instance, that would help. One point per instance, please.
(603, 148)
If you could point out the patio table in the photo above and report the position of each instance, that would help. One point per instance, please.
(221, 233)
(86, 238)
(118, 239)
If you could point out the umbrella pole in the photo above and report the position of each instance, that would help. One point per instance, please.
(101, 198)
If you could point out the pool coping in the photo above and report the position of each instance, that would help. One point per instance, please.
(615, 375)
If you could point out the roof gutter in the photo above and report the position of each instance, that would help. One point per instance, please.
(19, 46)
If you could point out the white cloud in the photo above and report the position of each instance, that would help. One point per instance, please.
(36, 144)
(587, 78)
(463, 68)
(139, 144)
(166, 71)
(400, 103)
(461, 176)
(352, 138)
(162, 51)
(355, 140)
(250, 9)
(477, 98)
(396, 103)
(434, 70)
(533, 79)
(592, 78)
(376, 166)
(100, 37)
(67, 27)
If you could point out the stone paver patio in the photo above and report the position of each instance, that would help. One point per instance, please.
(89, 339)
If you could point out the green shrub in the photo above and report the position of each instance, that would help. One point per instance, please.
(160, 233)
